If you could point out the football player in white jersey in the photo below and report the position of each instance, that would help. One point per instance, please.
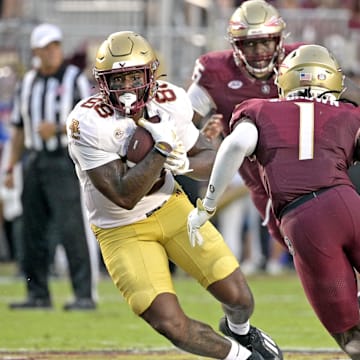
(137, 210)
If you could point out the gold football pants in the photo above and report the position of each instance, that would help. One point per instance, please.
(136, 255)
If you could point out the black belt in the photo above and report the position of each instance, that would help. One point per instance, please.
(149, 213)
(299, 201)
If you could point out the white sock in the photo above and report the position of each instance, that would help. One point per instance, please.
(240, 329)
(237, 351)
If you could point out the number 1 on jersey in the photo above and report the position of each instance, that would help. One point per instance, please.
(306, 130)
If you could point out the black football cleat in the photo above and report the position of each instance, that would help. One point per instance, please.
(32, 304)
(80, 305)
(259, 343)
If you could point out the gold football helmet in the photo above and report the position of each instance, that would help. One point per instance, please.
(310, 68)
(256, 19)
(122, 53)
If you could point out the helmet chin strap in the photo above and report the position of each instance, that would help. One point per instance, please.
(127, 99)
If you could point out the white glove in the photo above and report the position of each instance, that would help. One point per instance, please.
(177, 161)
(196, 219)
(162, 132)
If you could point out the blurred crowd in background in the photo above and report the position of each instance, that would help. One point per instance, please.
(172, 26)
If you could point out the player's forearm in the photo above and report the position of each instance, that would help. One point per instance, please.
(224, 169)
(125, 187)
(139, 180)
(202, 164)
(229, 158)
(16, 148)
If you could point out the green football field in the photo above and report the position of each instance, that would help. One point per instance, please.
(114, 332)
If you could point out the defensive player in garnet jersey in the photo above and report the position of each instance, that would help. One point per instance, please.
(304, 142)
(137, 210)
(223, 79)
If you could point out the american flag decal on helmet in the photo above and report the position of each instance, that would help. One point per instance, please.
(305, 76)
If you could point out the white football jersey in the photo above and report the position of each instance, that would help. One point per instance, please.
(97, 135)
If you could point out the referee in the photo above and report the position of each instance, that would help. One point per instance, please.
(51, 194)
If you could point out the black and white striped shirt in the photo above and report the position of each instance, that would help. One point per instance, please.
(39, 98)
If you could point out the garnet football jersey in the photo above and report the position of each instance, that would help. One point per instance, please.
(228, 85)
(304, 145)
(220, 84)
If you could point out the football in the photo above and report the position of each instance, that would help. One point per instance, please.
(141, 143)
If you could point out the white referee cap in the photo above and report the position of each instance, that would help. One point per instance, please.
(45, 34)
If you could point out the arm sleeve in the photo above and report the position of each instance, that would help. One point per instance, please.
(235, 147)
(201, 101)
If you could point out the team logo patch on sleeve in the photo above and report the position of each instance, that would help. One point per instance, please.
(75, 129)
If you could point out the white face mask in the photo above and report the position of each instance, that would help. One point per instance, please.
(127, 99)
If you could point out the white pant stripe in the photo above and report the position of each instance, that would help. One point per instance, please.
(269, 343)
